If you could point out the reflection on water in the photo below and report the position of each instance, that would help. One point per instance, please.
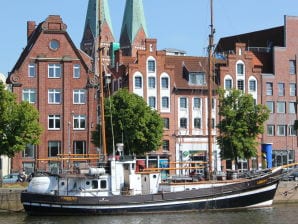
(282, 213)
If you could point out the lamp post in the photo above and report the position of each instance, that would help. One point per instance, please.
(68, 139)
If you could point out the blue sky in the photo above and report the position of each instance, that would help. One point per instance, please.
(174, 23)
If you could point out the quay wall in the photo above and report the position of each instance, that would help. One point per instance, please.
(10, 199)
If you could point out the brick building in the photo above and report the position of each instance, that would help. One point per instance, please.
(52, 74)
(264, 64)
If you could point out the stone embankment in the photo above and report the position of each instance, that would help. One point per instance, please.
(287, 192)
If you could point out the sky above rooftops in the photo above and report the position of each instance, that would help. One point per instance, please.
(175, 24)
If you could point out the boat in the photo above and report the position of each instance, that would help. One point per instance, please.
(120, 185)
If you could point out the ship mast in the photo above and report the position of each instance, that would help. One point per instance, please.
(210, 89)
(98, 66)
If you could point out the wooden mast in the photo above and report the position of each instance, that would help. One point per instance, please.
(100, 76)
(210, 90)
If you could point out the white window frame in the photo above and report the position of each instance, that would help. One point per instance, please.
(32, 70)
(76, 71)
(54, 71)
(29, 95)
(54, 96)
(79, 122)
(79, 96)
(55, 120)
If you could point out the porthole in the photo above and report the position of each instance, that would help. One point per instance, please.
(54, 44)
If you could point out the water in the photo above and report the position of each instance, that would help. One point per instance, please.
(280, 213)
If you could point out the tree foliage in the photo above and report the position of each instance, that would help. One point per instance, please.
(241, 121)
(19, 124)
(134, 123)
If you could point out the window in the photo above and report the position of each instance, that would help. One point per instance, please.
(270, 130)
(165, 102)
(54, 44)
(213, 123)
(79, 147)
(292, 107)
(152, 101)
(281, 107)
(183, 122)
(151, 66)
(151, 82)
(292, 89)
(32, 70)
(165, 145)
(228, 84)
(281, 130)
(76, 71)
(252, 85)
(29, 95)
(240, 84)
(281, 89)
(183, 103)
(79, 96)
(54, 70)
(240, 69)
(197, 103)
(166, 123)
(79, 122)
(269, 88)
(29, 151)
(292, 70)
(54, 148)
(270, 105)
(54, 96)
(292, 131)
(54, 122)
(197, 78)
(138, 82)
(197, 122)
(164, 83)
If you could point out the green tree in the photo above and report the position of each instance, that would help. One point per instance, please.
(134, 123)
(241, 121)
(19, 124)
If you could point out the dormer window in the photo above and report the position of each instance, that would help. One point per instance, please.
(197, 78)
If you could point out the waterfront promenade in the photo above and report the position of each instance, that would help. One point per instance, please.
(287, 192)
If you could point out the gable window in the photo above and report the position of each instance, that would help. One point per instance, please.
(240, 85)
(269, 88)
(54, 96)
(164, 82)
(281, 89)
(183, 122)
(138, 82)
(292, 89)
(29, 95)
(240, 69)
(165, 102)
(197, 78)
(197, 123)
(32, 70)
(152, 101)
(228, 84)
(197, 103)
(252, 85)
(54, 122)
(292, 64)
(151, 82)
(79, 96)
(54, 70)
(76, 71)
(183, 103)
(79, 122)
(151, 66)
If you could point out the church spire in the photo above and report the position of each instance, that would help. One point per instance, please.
(91, 30)
(134, 30)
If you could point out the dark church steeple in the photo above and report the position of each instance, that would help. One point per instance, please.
(134, 30)
(91, 30)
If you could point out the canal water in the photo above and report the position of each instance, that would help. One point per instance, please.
(278, 213)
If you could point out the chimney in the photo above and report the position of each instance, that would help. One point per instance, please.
(30, 28)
